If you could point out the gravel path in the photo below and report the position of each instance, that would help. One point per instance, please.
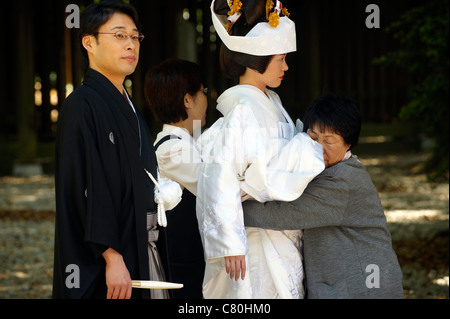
(417, 213)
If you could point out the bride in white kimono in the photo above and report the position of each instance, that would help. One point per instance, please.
(255, 151)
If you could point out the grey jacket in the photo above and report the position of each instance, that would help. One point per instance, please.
(347, 246)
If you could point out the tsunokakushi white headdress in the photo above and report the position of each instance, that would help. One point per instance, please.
(276, 36)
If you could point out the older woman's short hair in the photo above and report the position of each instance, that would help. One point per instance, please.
(166, 85)
(337, 114)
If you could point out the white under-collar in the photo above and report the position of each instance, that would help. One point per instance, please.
(347, 155)
(128, 99)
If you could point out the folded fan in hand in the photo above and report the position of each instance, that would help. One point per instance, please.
(149, 284)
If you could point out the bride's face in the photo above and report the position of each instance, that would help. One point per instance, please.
(274, 74)
(272, 77)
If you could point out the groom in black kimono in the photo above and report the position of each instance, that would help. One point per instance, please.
(103, 145)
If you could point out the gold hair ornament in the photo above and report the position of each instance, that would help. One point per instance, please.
(272, 17)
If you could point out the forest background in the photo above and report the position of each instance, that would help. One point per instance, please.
(392, 58)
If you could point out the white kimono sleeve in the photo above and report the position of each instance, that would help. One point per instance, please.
(285, 176)
(219, 207)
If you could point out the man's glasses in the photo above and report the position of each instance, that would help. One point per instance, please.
(121, 35)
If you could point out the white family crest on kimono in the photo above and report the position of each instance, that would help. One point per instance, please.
(255, 149)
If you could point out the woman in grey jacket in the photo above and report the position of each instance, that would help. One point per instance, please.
(347, 246)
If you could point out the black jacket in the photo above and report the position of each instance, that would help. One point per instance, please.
(102, 190)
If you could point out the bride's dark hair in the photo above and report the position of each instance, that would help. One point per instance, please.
(233, 64)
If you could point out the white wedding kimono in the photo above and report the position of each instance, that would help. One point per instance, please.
(254, 149)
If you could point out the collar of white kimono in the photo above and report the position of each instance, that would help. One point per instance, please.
(230, 98)
(181, 133)
(178, 131)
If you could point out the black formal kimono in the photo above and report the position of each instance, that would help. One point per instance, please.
(102, 191)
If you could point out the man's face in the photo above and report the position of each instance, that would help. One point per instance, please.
(112, 57)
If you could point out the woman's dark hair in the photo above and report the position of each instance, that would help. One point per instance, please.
(166, 85)
(337, 114)
(233, 64)
(97, 14)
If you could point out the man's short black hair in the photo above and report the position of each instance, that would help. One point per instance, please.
(97, 14)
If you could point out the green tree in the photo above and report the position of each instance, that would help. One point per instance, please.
(422, 33)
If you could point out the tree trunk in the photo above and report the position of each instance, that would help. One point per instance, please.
(23, 83)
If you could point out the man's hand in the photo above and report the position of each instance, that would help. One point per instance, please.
(235, 266)
(118, 278)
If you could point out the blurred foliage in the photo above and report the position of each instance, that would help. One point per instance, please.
(423, 35)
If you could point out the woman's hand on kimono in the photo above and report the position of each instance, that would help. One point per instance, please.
(235, 266)
(118, 278)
